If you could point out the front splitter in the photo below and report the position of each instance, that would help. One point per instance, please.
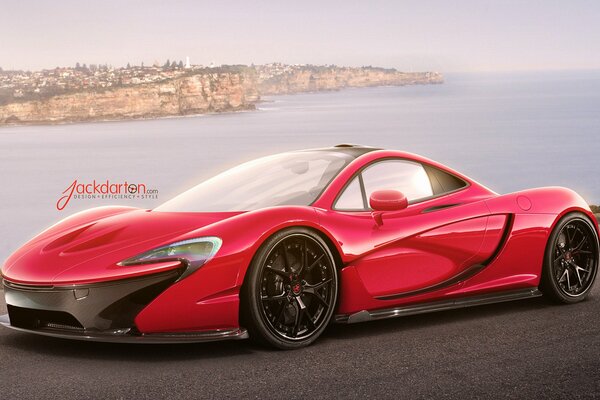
(122, 336)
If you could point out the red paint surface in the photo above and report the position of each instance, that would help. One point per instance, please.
(411, 250)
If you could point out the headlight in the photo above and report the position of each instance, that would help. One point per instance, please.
(193, 252)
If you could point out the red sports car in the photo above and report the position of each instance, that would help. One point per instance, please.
(279, 247)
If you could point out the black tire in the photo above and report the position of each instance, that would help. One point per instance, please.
(290, 290)
(571, 260)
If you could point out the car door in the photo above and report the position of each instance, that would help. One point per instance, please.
(426, 246)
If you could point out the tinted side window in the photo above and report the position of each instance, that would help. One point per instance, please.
(443, 182)
(351, 198)
(406, 176)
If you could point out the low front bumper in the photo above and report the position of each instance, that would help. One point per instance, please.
(126, 336)
(97, 312)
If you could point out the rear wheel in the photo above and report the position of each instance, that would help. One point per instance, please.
(571, 261)
(291, 289)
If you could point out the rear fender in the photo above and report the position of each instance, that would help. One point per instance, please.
(547, 200)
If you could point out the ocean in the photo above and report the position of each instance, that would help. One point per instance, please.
(509, 131)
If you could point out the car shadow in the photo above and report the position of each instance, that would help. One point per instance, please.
(198, 351)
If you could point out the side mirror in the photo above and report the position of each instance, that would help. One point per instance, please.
(388, 200)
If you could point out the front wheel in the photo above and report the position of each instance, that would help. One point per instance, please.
(291, 289)
(571, 260)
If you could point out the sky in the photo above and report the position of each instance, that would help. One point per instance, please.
(446, 36)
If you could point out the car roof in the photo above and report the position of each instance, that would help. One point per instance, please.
(354, 150)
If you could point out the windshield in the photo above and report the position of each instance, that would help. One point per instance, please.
(294, 178)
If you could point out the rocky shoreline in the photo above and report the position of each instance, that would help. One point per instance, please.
(203, 91)
(198, 94)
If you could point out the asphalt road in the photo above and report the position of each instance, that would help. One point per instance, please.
(527, 348)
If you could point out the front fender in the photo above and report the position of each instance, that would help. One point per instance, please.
(209, 298)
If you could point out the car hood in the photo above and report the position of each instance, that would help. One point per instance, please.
(88, 251)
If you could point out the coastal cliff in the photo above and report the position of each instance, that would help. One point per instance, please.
(317, 79)
(73, 96)
(196, 94)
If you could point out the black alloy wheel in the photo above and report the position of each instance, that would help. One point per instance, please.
(291, 289)
(571, 261)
